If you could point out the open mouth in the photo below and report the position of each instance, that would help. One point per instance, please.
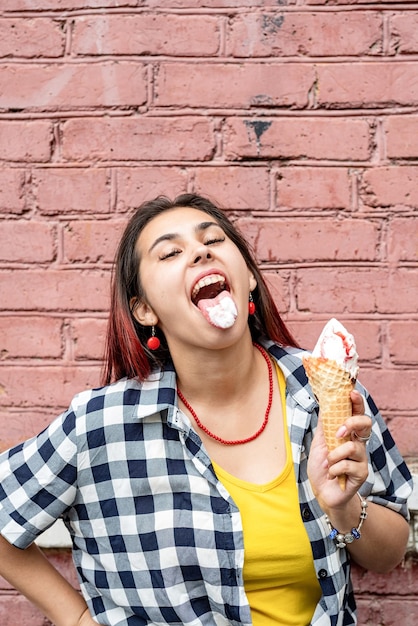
(211, 295)
(209, 287)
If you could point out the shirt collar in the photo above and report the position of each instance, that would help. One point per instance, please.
(290, 362)
(159, 391)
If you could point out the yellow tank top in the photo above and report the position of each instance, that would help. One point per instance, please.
(279, 576)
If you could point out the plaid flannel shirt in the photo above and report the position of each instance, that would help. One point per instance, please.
(156, 537)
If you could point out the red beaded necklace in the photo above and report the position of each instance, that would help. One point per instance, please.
(235, 442)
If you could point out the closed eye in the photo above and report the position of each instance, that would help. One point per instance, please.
(168, 255)
(209, 242)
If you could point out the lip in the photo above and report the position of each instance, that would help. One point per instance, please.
(209, 272)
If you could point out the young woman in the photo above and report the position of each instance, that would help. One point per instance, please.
(196, 483)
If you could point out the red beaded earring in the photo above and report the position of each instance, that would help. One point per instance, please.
(251, 305)
(153, 342)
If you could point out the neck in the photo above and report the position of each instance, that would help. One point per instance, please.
(219, 373)
(248, 438)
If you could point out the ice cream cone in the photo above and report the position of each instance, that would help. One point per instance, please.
(331, 385)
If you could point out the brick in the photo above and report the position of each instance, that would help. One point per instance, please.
(15, 609)
(403, 240)
(30, 337)
(31, 37)
(27, 242)
(54, 290)
(12, 192)
(73, 4)
(315, 34)
(45, 386)
(361, 290)
(368, 611)
(89, 338)
(220, 4)
(403, 580)
(400, 286)
(404, 32)
(279, 284)
(71, 190)
(392, 186)
(354, 85)
(16, 427)
(381, 383)
(400, 136)
(396, 611)
(137, 184)
(147, 34)
(234, 187)
(249, 85)
(72, 85)
(24, 141)
(386, 611)
(320, 138)
(403, 429)
(302, 240)
(150, 139)
(366, 334)
(307, 187)
(403, 341)
(92, 241)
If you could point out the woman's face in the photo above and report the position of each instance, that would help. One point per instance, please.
(187, 266)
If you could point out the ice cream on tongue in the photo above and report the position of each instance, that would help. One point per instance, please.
(211, 295)
(219, 311)
(332, 371)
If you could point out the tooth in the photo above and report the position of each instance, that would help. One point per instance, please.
(207, 280)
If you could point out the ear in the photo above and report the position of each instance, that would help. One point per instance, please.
(142, 312)
(252, 281)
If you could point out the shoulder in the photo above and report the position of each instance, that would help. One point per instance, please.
(126, 399)
(122, 393)
(290, 360)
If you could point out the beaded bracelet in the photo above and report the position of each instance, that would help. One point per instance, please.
(342, 539)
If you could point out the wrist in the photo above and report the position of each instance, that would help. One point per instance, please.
(343, 514)
(342, 537)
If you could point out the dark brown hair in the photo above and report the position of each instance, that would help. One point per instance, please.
(126, 349)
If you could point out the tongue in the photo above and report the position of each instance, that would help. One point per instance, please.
(220, 311)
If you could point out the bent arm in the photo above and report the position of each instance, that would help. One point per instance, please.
(30, 572)
(384, 535)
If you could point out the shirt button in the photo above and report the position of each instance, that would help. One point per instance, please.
(306, 514)
(322, 573)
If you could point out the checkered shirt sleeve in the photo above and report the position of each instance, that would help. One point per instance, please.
(38, 481)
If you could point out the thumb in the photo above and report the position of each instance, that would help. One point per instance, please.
(357, 402)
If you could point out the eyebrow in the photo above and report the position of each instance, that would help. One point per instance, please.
(171, 236)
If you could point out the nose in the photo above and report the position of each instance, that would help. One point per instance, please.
(201, 254)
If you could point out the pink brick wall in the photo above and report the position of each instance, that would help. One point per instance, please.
(299, 117)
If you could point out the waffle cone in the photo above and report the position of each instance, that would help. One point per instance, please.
(332, 386)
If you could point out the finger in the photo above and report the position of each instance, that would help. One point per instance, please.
(361, 424)
(350, 449)
(357, 402)
(361, 428)
(351, 459)
(357, 427)
(355, 436)
(356, 471)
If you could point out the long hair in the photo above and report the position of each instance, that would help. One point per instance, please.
(126, 348)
